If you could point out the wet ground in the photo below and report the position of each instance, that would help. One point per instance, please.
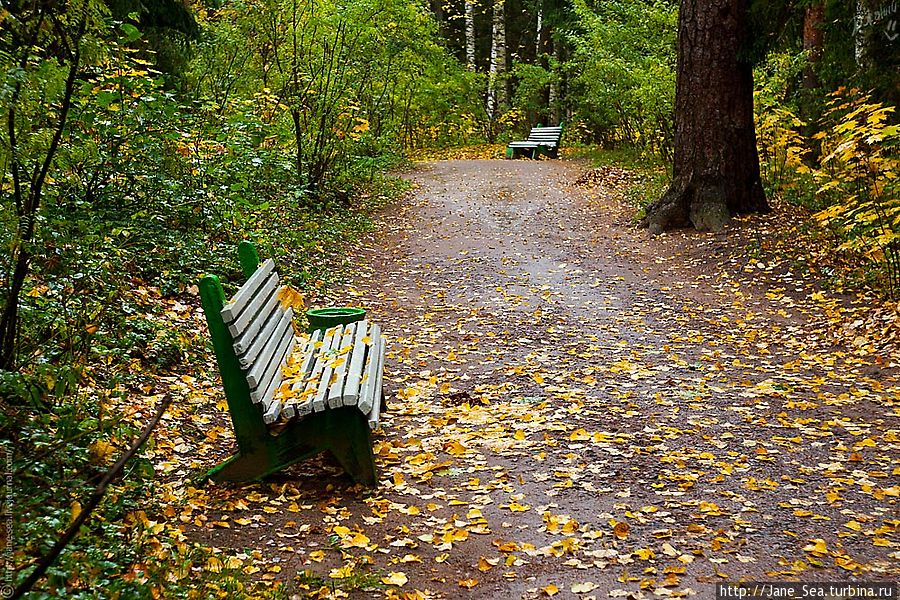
(578, 409)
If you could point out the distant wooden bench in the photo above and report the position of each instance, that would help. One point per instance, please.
(541, 140)
(330, 399)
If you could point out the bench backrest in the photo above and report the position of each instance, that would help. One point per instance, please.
(246, 356)
(547, 135)
(262, 332)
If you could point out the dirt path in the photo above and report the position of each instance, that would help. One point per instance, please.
(580, 410)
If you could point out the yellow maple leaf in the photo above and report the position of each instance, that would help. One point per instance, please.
(550, 590)
(395, 578)
(214, 565)
(468, 583)
(817, 547)
(644, 553)
(343, 572)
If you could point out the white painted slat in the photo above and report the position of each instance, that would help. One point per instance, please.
(248, 291)
(272, 407)
(367, 383)
(272, 349)
(318, 368)
(355, 368)
(247, 326)
(375, 414)
(238, 318)
(271, 328)
(272, 369)
(336, 391)
(298, 406)
(309, 356)
(325, 379)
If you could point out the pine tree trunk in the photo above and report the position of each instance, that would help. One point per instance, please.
(496, 83)
(716, 166)
(813, 42)
(470, 35)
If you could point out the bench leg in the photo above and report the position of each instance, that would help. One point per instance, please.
(353, 449)
(344, 431)
(239, 468)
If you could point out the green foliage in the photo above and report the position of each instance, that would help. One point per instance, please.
(623, 73)
(147, 190)
(533, 82)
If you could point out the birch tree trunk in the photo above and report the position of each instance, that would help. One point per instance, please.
(863, 20)
(470, 35)
(496, 96)
(553, 96)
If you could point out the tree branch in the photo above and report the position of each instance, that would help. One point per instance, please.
(92, 503)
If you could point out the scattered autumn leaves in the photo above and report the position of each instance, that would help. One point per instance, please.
(575, 410)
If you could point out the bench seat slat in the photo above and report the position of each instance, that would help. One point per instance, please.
(326, 356)
(375, 413)
(336, 390)
(301, 401)
(367, 393)
(355, 369)
(317, 375)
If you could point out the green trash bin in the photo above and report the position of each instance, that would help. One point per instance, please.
(323, 318)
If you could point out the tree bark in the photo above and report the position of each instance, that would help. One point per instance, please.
(716, 166)
(496, 84)
(470, 34)
(862, 21)
(553, 94)
(813, 42)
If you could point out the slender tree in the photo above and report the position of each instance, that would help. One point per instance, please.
(496, 96)
(470, 34)
(42, 37)
(716, 166)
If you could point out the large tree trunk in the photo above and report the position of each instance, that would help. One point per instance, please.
(496, 83)
(716, 167)
(813, 42)
(470, 34)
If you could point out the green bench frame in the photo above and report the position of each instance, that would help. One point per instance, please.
(264, 449)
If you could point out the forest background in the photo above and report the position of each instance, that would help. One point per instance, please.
(141, 141)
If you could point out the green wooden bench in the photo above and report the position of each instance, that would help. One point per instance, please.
(332, 400)
(541, 140)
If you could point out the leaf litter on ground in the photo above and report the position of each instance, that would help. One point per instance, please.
(576, 408)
